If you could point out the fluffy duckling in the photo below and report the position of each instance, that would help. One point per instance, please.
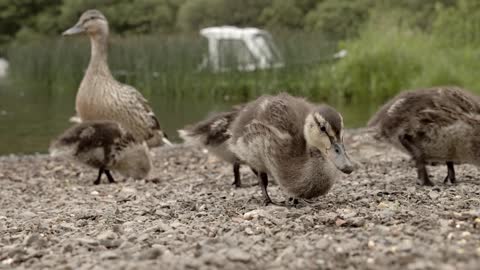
(432, 125)
(213, 134)
(297, 143)
(101, 97)
(104, 145)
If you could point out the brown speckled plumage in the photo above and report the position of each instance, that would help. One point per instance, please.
(213, 134)
(101, 97)
(440, 124)
(291, 140)
(104, 145)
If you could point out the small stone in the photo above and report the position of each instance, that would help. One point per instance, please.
(433, 194)
(111, 243)
(109, 255)
(477, 221)
(253, 214)
(34, 240)
(238, 255)
(8, 261)
(249, 231)
(371, 244)
(150, 254)
(383, 205)
(81, 223)
(107, 235)
(357, 221)
(67, 248)
(322, 243)
(158, 227)
(339, 222)
(94, 193)
(28, 215)
(87, 241)
(405, 245)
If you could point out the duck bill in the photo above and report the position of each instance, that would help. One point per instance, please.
(340, 158)
(76, 29)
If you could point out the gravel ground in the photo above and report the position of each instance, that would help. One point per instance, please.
(188, 216)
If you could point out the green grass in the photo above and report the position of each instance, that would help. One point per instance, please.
(390, 56)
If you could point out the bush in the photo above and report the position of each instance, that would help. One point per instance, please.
(390, 56)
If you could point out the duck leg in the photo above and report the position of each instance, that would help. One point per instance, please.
(419, 158)
(263, 182)
(99, 177)
(236, 174)
(109, 176)
(450, 174)
(237, 182)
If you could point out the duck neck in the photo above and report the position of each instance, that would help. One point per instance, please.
(98, 60)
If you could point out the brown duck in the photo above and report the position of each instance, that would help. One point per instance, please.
(101, 97)
(440, 124)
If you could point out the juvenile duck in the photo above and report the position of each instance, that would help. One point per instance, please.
(439, 124)
(101, 97)
(104, 145)
(213, 134)
(297, 143)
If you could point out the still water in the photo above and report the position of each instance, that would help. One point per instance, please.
(31, 117)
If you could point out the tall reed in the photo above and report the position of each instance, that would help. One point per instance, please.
(169, 65)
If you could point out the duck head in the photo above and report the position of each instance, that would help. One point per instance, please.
(92, 22)
(323, 130)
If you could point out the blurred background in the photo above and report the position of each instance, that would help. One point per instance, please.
(351, 54)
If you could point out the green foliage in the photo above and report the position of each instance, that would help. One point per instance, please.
(338, 18)
(26, 16)
(458, 25)
(125, 16)
(393, 54)
(282, 13)
(196, 14)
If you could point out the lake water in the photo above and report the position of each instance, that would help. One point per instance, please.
(31, 117)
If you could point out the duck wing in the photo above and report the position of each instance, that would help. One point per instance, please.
(144, 119)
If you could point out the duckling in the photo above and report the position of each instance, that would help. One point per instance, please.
(213, 134)
(101, 97)
(104, 145)
(298, 143)
(433, 125)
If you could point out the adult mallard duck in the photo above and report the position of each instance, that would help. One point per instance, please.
(440, 124)
(104, 145)
(297, 143)
(101, 97)
(213, 134)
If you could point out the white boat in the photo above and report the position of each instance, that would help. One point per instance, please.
(243, 49)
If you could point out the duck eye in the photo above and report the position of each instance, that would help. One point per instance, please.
(323, 129)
